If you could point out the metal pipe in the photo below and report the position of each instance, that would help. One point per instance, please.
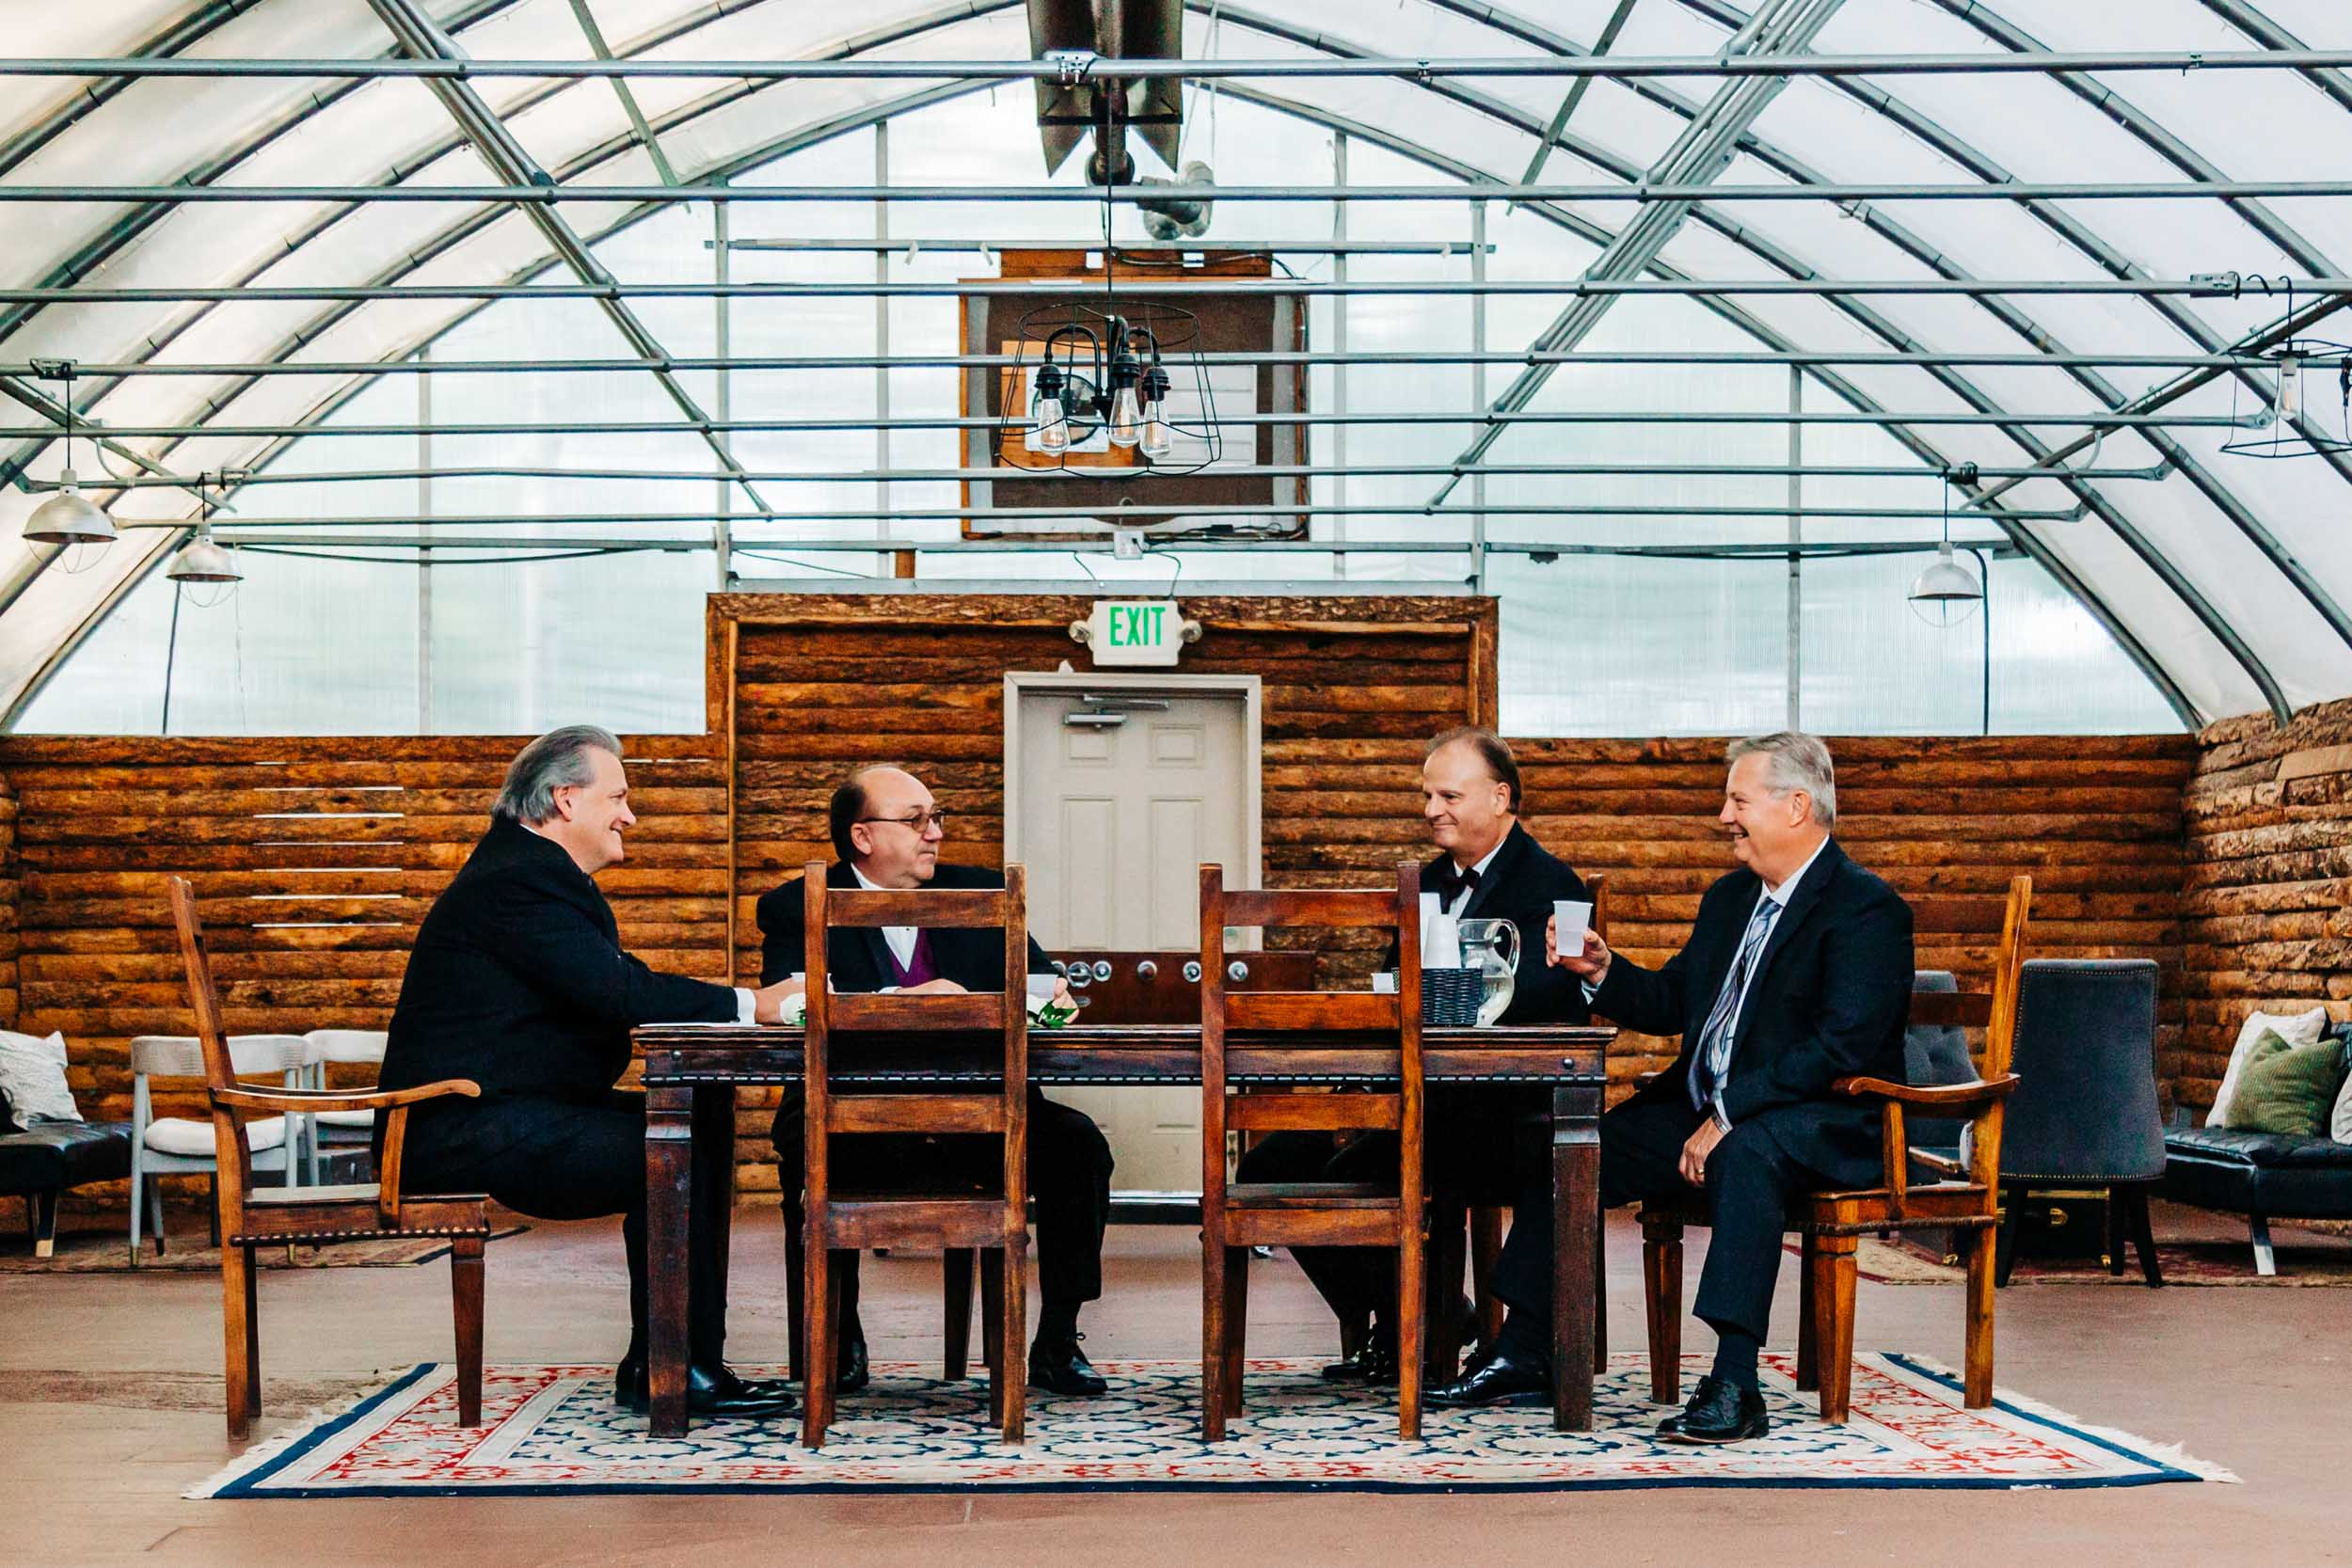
(1772, 553)
(983, 422)
(743, 363)
(1297, 470)
(1640, 191)
(1096, 514)
(1421, 70)
(1155, 288)
(915, 244)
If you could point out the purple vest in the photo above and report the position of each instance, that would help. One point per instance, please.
(919, 969)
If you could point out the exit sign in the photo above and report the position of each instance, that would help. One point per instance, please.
(1138, 631)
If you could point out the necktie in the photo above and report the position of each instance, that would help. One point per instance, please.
(1452, 882)
(1713, 1058)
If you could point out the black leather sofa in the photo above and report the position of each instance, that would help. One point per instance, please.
(2263, 1176)
(43, 1163)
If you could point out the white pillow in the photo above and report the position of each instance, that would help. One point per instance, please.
(32, 1071)
(193, 1139)
(2294, 1028)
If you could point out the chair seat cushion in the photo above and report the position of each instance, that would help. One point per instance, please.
(346, 1119)
(191, 1139)
(55, 1155)
(2243, 1146)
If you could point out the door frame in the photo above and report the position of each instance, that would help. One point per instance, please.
(1143, 683)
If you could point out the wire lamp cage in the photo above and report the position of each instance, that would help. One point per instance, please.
(2292, 424)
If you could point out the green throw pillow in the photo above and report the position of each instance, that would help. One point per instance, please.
(2288, 1089)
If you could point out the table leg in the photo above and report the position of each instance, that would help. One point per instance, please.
(669, 1211)
(1576, 1222)
(714, 1163)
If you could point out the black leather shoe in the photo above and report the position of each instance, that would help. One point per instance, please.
(709, 1392)
(1720, 1411)
(851, 1372)
(1503, 1378)
(1374, 1364)
(1062, 1367)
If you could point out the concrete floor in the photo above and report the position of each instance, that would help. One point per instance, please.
(109, 1406)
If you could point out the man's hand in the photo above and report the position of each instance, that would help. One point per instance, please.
(768, 1001)
(933, 988)
(1702, 1143)
(1591, 964)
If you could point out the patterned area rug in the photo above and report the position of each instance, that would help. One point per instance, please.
(556, 1430)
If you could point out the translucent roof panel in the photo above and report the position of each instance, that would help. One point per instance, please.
(2220, 573)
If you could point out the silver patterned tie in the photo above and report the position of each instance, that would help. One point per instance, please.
(1713, 1058)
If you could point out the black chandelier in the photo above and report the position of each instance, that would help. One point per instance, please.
(1127, 378)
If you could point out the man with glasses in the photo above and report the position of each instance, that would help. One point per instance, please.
(887, 831)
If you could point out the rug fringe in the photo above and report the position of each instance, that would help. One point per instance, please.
(2173, 1454)
(304, 1426)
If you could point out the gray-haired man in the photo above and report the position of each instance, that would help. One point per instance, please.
(518, 982)
(1797, 974)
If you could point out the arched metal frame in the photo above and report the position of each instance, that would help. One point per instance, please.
(191, 30)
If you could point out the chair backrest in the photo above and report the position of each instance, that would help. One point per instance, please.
(250, 1055)
(899, 1013)
(2086, 1060)
(348, 1045)
(1598, 885)
(234, 1158)
(1975, 917)
(1397, 1014)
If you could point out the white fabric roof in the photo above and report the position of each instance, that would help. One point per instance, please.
(2228, 577)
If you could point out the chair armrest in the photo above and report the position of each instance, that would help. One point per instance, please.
(302, 1102)
(1933, 1097)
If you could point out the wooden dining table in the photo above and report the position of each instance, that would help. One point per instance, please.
(691, 1072)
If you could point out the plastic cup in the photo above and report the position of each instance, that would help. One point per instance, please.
(1570, 919)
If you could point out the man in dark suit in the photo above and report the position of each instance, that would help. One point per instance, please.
(1479, 1145)
(1797, 974)
(518, 982)
(889, 829)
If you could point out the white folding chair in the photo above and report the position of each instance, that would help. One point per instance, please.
(177, 1145)
(328, 1133)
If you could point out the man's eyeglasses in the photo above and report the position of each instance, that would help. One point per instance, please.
(921, 821)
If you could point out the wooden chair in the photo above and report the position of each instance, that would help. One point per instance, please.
(1237, 1216)
(1964, 1202)
(254, 1217)
(996, 1223)
(1486, 1221)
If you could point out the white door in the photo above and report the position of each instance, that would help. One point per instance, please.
(1123, 792)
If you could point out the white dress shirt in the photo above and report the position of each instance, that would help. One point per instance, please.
(900, 938)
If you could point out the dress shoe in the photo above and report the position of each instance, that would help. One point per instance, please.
(1059, 1366)
(1503, 1378)
(1374, 1363)
(709, 1392)
(851, 1372)
(1720, 1411)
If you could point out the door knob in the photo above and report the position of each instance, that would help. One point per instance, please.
(1102, 969)
(1146, 970)
(1237, 971)
(1192, 971)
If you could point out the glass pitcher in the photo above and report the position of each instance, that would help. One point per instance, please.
(1492, 948)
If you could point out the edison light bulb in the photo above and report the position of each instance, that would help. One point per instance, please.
(1051, 427)
(2290, 406)
(1158, 440)
(1126, 418)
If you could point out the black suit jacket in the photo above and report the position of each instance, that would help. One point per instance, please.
(1519, 885)
(1829, 999)
(518, 981)
(858, 958)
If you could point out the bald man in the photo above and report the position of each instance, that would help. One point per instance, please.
(888, 830)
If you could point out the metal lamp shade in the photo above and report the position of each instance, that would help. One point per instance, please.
(1947, 593)
(203, 561)
(69, 518)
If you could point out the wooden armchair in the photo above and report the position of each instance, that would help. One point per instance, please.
(996, 1224)
(254, 1217)
(1237, 1216)
(1964, 1202)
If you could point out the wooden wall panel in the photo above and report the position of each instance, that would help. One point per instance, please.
(2096, 820)
(313, 859)
(2268, 890)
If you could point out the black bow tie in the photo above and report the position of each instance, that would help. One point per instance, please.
(1452, 882)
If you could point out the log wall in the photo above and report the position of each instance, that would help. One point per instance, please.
(2095, 821)
(2268, 890)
